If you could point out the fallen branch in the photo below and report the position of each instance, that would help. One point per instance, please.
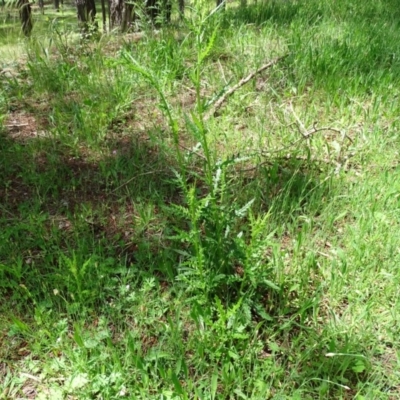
(15, 125)
(136, 176)
(327, 128)
(217, 105)
(305, 135)
(192, 151)
(300, 125)
(293, 157)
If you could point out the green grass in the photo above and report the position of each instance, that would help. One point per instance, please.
(150, 251)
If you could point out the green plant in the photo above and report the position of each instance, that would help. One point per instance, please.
(174, 252)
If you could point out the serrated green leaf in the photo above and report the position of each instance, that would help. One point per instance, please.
(77, 382)
(214, 385)
(358, 367)
(177, 385)
(205, 53)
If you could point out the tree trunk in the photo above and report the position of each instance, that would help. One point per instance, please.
(25, 14)
(181, 4)
(103, 11)
(166, 8)
(57, 5)
(117, 9)
(128, 17)
(86, 13)
(181, 8)
(109, 14)
(219, 2)
(157, 8)
(151, 9)
(121, 14)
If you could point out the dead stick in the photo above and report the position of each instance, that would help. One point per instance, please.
(136, 176)
(248, 78)
(290, 157)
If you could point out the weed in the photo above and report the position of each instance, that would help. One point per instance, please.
(154, 245)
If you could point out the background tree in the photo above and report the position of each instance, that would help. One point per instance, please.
(104, 15)
(121, 14)
(25, 14)
(86, 10)
(157, 8)
(41, 6)
(181, 5)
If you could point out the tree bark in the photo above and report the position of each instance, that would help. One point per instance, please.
(181, 8)
(121, 14)
(219, 2)
(151, 9)
(117, 9)
(166, 8)
(41, 6)
(25, 14)
(103, 11)
(181, 4)
(157, 8)
(86, 13)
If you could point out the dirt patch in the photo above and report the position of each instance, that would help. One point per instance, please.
(22, 126)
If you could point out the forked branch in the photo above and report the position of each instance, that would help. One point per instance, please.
(217, 105)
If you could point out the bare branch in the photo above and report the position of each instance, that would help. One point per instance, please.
(303, 129)
(15, 125)
(306, 134)
(217, 105)
(137, 176)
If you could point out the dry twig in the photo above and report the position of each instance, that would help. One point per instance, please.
(15, 125)
(306, 135)
(217, 105)
(136, 176)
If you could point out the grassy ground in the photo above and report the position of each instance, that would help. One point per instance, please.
(154, 245)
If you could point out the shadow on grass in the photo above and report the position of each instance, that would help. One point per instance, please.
(56, 204)
(115, 204)
(76, 228)
(329, 362)
(279, 12)
(289, 187)
(283, 12)
(356, 58)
